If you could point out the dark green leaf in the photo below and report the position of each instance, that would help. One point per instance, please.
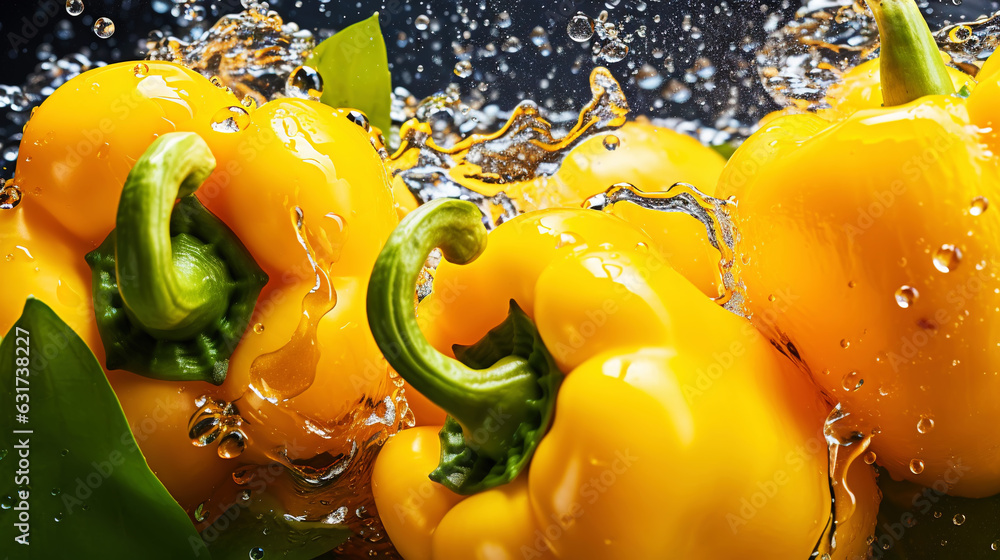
(90, 492)
(355, 70)
(256, 524)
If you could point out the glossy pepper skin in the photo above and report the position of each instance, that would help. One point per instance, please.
(272, 161)
(673, 415)
(871, 250)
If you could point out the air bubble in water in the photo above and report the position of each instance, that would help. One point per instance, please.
(905, 296)
(580, 28)
(421, 22)
(230, 119)
(611, 142)
(958, 519)
(74, 7)
(463, 68)
(141, 70)
(979, 205)
(256, 553)
(853, 381)
(104, 27)
(925, 424)
(916, 466)
(947, 258)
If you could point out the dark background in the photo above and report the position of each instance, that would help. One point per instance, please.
(558, 80)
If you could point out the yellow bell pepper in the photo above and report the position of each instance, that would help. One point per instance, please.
(871, 249)
(304, 189)
(678, 430)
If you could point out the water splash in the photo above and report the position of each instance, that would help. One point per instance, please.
(291, 369)
(714, 213)
(253, 52)
(479, 167)
(799, 62)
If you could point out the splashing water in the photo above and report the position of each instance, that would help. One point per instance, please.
(291, 369)
(477, 168)
(800, 61)
(253, 52)
(714, 213)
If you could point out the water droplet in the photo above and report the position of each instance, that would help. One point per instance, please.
(958, 519)
(463, 68)
(611, 142)
(7, 502)
(58, 517)
(916, 466)
(771, 298)
(256, 553)
(995, 545)
(870, 458)
(925, 424)
(232, 444)
(244, 475)
(141, 70)
(258, 328)
(304, 83)
(359, 118)
(947, 258)
(199, 513)
(104, 27)
(10, 195)
(64, 452)
(3, 453)
(56, 491)
(853, 381)
(905, 296)
(614, 51)
(979, 205)
(844, 343)
(205, 431)
(74, 7)
(580, 28)
(230, 119)
(503, 20)
(937, 515)
(511, 45)
(421, 22)
(245, 495)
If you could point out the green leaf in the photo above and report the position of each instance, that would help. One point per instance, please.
(87, 488)
(355, 70)
(256, 523)
(726, 149)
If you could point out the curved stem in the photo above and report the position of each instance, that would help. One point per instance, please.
(910, 63)
(170, 289)
(480, 400)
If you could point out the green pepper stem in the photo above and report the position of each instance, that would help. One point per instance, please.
(489, 403)
(910, 63)
(170, 288)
